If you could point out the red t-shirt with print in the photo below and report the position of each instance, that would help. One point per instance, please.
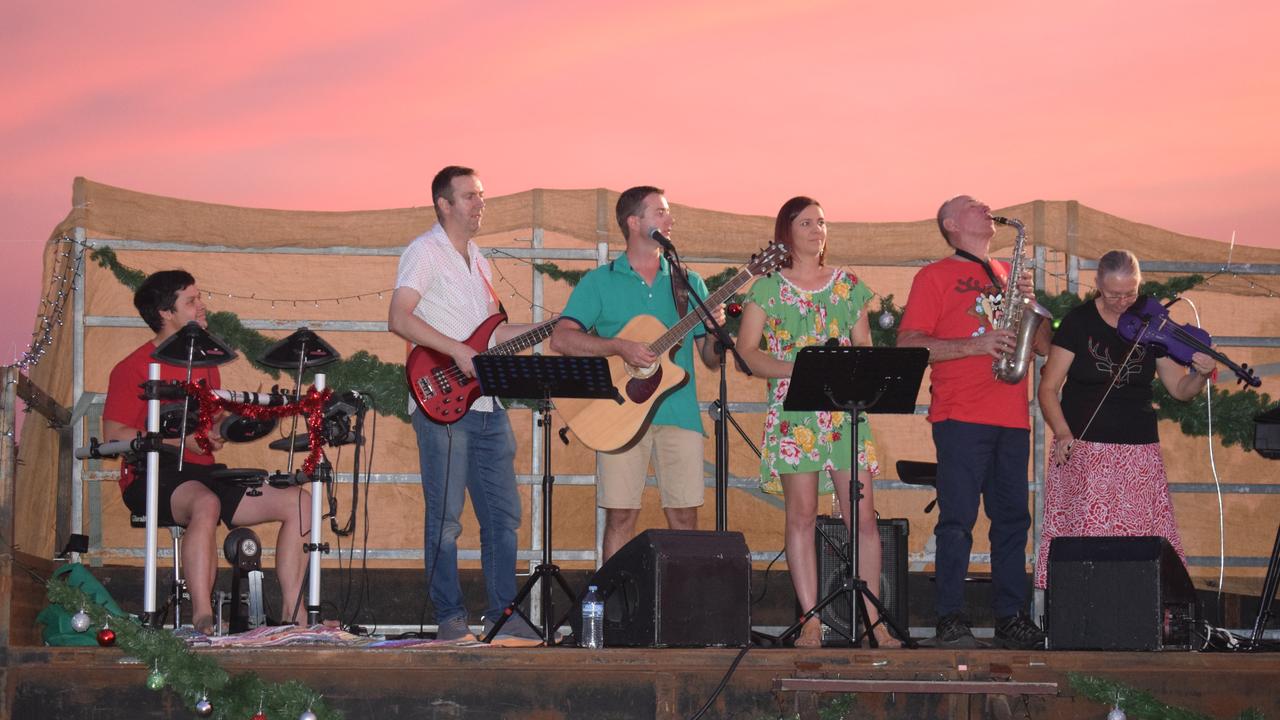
(126, 407)
(951, 299)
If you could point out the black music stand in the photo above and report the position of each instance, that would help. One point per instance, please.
(855, 380)
(543, 377)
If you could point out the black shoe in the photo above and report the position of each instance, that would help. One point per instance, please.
(1018, 633)
(954, 632)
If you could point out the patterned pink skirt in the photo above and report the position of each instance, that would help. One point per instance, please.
(1106, 490)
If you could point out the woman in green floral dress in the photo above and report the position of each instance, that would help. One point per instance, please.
(806, 454)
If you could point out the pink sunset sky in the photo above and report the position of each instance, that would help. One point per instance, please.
(1161, 112)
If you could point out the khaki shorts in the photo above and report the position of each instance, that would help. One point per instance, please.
(677, 462)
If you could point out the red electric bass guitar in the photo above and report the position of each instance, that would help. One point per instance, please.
(439, 386)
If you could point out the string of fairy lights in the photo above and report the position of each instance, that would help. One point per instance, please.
(211, 293)
(53, 305)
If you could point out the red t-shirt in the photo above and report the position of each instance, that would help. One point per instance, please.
(951, 299)
(126, 406)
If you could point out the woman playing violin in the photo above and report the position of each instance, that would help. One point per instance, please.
(1107, 476)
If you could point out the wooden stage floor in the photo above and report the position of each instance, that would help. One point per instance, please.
(563, 682)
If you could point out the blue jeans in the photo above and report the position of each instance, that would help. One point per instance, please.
(479, 459)
(988, 462)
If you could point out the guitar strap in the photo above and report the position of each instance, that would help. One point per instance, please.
(408, 346)
(492, 294)
(679, 291)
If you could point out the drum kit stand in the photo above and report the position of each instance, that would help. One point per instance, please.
(194, 347)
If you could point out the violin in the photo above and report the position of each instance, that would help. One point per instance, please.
(1147, 322)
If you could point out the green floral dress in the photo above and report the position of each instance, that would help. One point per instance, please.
(801, 442)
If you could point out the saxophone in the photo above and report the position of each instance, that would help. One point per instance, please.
(1019, 313)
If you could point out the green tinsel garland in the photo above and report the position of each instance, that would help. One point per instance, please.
(191, 675)
(1233, 411)
(1138, 704)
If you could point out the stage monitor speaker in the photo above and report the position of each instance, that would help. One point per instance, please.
(676, 588)
(1118, 593)
(830, 536)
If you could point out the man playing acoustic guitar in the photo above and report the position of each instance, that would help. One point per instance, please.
(636, 284)
(443, 293)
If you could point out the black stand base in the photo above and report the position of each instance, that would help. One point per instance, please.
(543, 574)
(153, 620)
(860, 596)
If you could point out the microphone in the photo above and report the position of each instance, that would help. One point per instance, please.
(832, 342)
(661, 239)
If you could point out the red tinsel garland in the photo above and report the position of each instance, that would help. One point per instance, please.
(312, 405)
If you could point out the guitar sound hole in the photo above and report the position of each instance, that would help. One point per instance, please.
(640, 390)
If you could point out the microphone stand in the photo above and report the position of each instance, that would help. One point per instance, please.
(720, 408)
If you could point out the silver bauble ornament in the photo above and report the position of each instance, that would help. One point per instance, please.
(80, 621)
(204, 708)
(886, 320)
(307, 715)
(1116, 714)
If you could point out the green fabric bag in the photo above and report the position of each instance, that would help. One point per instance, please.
(57, 621)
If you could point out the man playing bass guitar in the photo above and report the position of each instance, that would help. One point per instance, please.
(636, 284)
(443, 293)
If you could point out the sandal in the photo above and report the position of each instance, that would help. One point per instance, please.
(810, 634)
(204, 625)
(885, 639)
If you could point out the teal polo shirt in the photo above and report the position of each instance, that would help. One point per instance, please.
(606, 298)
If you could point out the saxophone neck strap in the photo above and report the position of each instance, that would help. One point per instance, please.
(986, 265)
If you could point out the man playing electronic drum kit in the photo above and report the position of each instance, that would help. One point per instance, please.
(167, 301)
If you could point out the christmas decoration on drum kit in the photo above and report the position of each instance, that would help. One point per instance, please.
(312, 405)
(1129, 702)
(206, 687)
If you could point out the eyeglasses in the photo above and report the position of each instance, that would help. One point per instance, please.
(1118, 296)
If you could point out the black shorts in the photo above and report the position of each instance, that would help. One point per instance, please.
(135, 496)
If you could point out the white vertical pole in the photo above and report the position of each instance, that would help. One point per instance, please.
(153, 504)
(313, 587)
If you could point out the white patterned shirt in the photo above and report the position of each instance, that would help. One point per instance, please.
(454, 295)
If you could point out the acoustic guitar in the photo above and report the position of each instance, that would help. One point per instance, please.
(611, 424)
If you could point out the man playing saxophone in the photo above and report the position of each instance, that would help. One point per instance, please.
(980, 423)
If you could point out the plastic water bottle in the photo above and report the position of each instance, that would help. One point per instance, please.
(592, 619)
